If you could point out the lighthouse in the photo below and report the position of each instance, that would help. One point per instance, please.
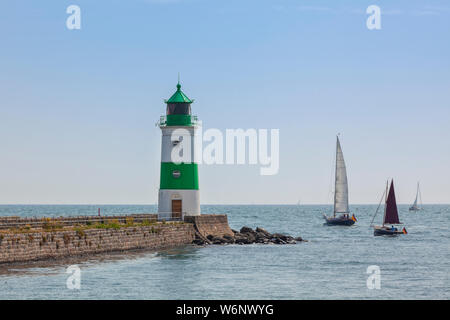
(179, 194)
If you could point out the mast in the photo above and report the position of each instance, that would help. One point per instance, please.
(417, 194)
(385, 201)
(335, 176)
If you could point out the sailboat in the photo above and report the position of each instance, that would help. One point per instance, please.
(341, 212)
(415, 207)
(390, 215)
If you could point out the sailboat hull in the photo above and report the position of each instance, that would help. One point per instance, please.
(414, 209)
(339, 221)
(384, 231)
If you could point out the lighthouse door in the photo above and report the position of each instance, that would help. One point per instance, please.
(176, 209)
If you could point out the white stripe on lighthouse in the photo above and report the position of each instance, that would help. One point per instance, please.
(174, 138)
(190, 202)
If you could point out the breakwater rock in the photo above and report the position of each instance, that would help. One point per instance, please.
(247, 236)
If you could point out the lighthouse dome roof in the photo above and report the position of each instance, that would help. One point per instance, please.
(179, 97)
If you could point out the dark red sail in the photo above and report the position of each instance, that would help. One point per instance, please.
(391, 216)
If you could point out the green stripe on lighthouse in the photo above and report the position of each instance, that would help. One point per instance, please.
(178, 120)
(179, 176)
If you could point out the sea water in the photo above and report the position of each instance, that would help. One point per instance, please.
(331, 265)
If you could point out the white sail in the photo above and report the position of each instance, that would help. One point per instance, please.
(341, 184)
(415, 201)
(417, 198)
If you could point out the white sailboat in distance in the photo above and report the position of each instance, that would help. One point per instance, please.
(340, 193)
(415, 207)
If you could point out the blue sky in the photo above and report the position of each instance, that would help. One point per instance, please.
(78, 107)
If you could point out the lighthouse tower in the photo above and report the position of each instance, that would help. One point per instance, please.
(179, 194)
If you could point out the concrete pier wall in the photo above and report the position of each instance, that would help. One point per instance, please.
(19, 247)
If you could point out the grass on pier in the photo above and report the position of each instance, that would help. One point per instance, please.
(50, 226)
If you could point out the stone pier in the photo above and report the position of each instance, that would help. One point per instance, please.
(31, 239)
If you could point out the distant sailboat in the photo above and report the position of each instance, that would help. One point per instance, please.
(340, 193)
(390, 215)
(415, 207)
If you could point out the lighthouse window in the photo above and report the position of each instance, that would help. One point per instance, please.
(178, 108)
(176, 174)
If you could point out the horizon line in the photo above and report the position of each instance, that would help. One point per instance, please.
(204, 204)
